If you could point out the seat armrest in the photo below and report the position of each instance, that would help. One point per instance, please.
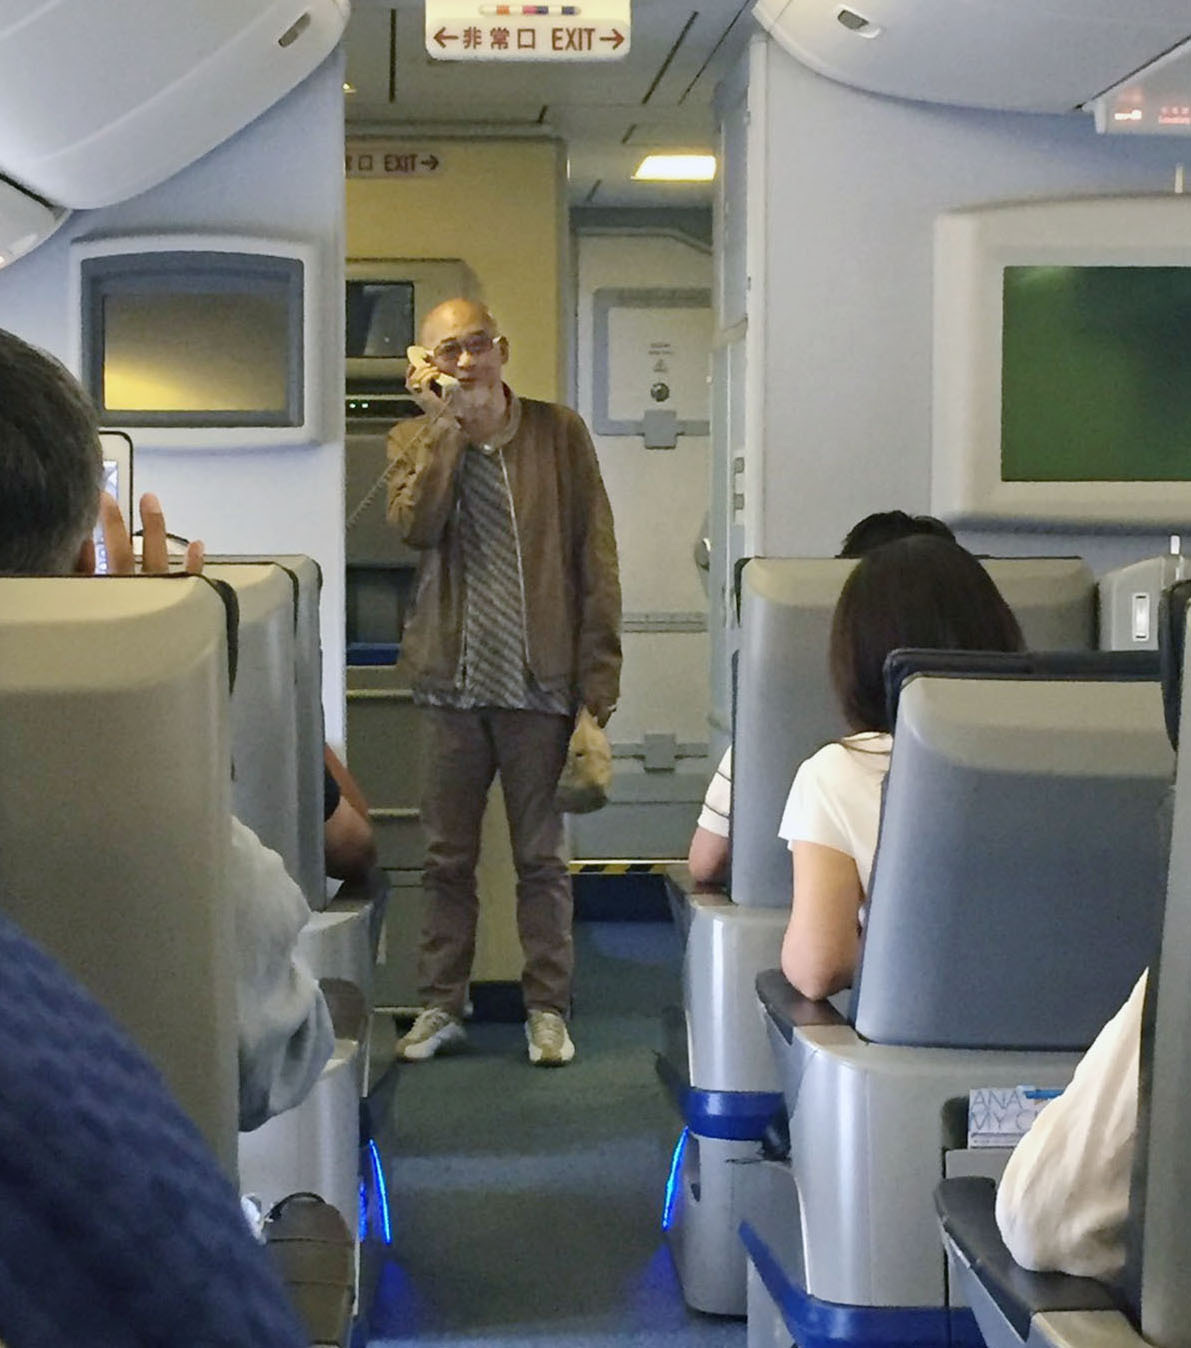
(678, 877)
(363, 888)
(788, 1008)
(349, 1011)
(967, 1214)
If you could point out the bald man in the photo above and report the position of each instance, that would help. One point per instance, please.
(516, 627)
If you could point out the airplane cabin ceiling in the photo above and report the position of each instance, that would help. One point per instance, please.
(1017, 55)
(609, 112)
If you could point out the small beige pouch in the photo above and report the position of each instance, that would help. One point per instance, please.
(587, 774)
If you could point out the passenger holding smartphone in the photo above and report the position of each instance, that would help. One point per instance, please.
(516, 627)
(51, 470)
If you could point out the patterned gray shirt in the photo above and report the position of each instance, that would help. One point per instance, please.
(493, 663)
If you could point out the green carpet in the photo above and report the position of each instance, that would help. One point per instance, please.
(526, 1202)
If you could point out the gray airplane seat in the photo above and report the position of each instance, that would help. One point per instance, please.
(716, 1061)
(1014, 1306)
(306, 581)
(1016, 895)
(314, 1145)
(264, 714)
(342, 937)
(114, 812)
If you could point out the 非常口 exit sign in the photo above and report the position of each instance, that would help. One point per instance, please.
(475, 30)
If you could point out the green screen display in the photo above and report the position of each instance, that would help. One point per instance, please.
(1096, 374)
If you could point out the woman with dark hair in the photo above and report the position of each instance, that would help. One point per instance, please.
(921, 591)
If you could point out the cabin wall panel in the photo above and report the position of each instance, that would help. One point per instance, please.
(282, 175)
(659, 499)
(854, 183)
(501, 207)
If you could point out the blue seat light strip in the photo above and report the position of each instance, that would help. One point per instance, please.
(827, 1324)
(382, 1193)
(674, 1179)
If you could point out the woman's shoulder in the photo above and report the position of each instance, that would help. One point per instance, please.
(864, 753)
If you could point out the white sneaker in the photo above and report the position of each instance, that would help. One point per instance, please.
(549, 1043)
(434, 1029)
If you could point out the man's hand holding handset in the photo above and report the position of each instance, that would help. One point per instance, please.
(432, 390)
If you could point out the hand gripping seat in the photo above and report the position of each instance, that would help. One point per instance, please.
(1152, 1305)
(716, 1061)
(114, 807)
(1016, 896)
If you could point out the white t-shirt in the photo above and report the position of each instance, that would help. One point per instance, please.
(836, 798)
(718, 801)
(284, 1028)
(1064, 1197)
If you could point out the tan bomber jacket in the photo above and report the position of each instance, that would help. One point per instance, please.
(565, 543)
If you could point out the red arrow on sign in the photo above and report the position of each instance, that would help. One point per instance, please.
(442, 37)
(616, 39)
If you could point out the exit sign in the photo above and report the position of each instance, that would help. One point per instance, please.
(474, 30)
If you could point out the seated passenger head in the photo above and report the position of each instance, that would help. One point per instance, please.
(920, 591)
(887, 526)
(51, 465)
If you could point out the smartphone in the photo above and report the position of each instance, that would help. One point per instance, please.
(117, 481)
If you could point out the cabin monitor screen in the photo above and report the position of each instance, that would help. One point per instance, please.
(1096, 374)
(380, 319)
(193, 339)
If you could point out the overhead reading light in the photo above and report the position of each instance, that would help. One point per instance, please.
(348, 88)
(676, 168)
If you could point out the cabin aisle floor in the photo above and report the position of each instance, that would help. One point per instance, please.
(525, 1201)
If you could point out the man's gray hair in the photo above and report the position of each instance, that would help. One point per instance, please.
(51, 465)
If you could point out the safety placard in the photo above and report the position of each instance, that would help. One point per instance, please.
(474, 30)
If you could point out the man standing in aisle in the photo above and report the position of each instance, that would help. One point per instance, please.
(515, 628)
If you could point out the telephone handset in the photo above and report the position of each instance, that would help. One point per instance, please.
(422, 374)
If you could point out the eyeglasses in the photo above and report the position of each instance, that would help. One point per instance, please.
(476, 344)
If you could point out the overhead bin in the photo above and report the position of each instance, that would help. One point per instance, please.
(24, 222)
(101, 101)
(979, 53)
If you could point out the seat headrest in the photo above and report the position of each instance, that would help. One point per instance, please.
(1084, 666)
(1172, 640)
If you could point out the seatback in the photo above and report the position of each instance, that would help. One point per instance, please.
(785, 707)
(265, 790)
(307, 578)
(1164, 1162)
(1019, 882)
(114, 812)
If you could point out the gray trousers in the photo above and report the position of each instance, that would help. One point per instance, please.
(464, 751)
